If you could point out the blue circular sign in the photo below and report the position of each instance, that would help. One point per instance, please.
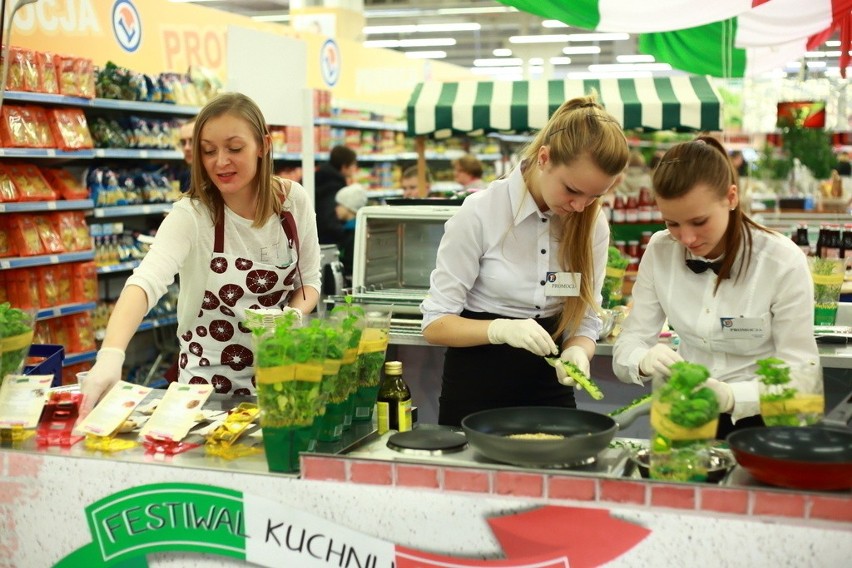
(126, 25)
(330, 62)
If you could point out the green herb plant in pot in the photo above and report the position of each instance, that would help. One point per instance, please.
(684, 419)
(371, 357)
(328, 427)
(16, 337)
(289, 383)
(828, 275)
(352, 318)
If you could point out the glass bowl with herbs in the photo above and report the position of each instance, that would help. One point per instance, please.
(16, 337)
(371, 356)
(790, 396)
(351, 317)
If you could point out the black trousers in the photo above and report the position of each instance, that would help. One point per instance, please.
(497, 376)
(726, 426)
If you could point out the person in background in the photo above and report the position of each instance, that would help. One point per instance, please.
(739, 163)
(185, 137)
(756, 279)
(636, 176)
(467, 171)
(655, 159)
(409, 183)
(349, 200)
(239, 238)
(523, 263)
(288, 169)
(330, 178)
(844, 166)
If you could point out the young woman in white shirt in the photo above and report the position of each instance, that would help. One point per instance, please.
(240, 238)
(523, 263)
(753, 300)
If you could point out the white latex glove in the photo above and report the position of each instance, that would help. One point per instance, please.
(656, 363)
(524, 334)
(724, 394)
(576, 355)
(103, 376)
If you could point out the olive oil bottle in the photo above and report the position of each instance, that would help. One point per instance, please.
(393, 404)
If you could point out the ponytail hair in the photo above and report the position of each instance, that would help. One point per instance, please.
(580, 127)
(704, 161)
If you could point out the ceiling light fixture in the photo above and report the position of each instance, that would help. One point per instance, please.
(535, 61)
(560, 61)
(553, 24)
(581, 50)
(484, 10)
(603, 36)
(612, 75)
(832, 43)
(630, 67)
(502, 52)
(426, 54)
(422, 28)
(500, 62)
(497, 70)
(635, 58)
(426, 42)
(544, 38)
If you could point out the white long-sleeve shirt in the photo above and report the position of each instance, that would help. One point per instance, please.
(184, 244)
(777, 288)
(495, 255)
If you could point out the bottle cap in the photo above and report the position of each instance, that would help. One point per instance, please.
(393, 368)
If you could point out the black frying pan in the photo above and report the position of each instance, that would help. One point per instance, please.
(807, 457)
(585, 434)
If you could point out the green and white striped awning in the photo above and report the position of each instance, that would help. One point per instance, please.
(683, 103)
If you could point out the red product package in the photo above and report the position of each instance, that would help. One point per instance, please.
(82, 334)
(7, 245)
(63, 223)
(48, 287)
(64, 183)
(16, 79)
(82, 236)
(62, 332)
(85, 278)
(44, 136)
(24, 283)
(43, 332)
(30, 183)
(18, 127)
(8, 191)
(24, 235)
(47, 72)
(70, 129)
(86, 77)
(50, 239)
(64, 288)
(66, 68)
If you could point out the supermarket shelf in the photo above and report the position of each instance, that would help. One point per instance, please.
(75, 358)
(30, 153)
(157, 322)
(449, 155)
(65, 310)
(138, 154)
(297, 156)
(130, 210)
(36, 206)
(44, 260)
(137, 106)
(360, 124)
(383, 193)
(121, 267)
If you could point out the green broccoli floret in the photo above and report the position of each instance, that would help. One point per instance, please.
(773, 371)
(685, 377)
(691, 406)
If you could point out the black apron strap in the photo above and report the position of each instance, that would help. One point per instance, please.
(288, 222)
(219, 235)
(497, 376)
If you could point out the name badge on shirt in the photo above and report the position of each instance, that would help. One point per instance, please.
(562, 284)
(742, 328)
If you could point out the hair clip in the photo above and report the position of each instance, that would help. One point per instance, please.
(672, 161)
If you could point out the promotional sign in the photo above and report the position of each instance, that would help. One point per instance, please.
(186, 517)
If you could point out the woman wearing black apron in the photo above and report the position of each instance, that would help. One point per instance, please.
(522, 263)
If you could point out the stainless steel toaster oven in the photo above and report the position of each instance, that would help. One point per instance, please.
(395, 251)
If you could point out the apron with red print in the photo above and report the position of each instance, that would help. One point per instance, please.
(217, 350)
